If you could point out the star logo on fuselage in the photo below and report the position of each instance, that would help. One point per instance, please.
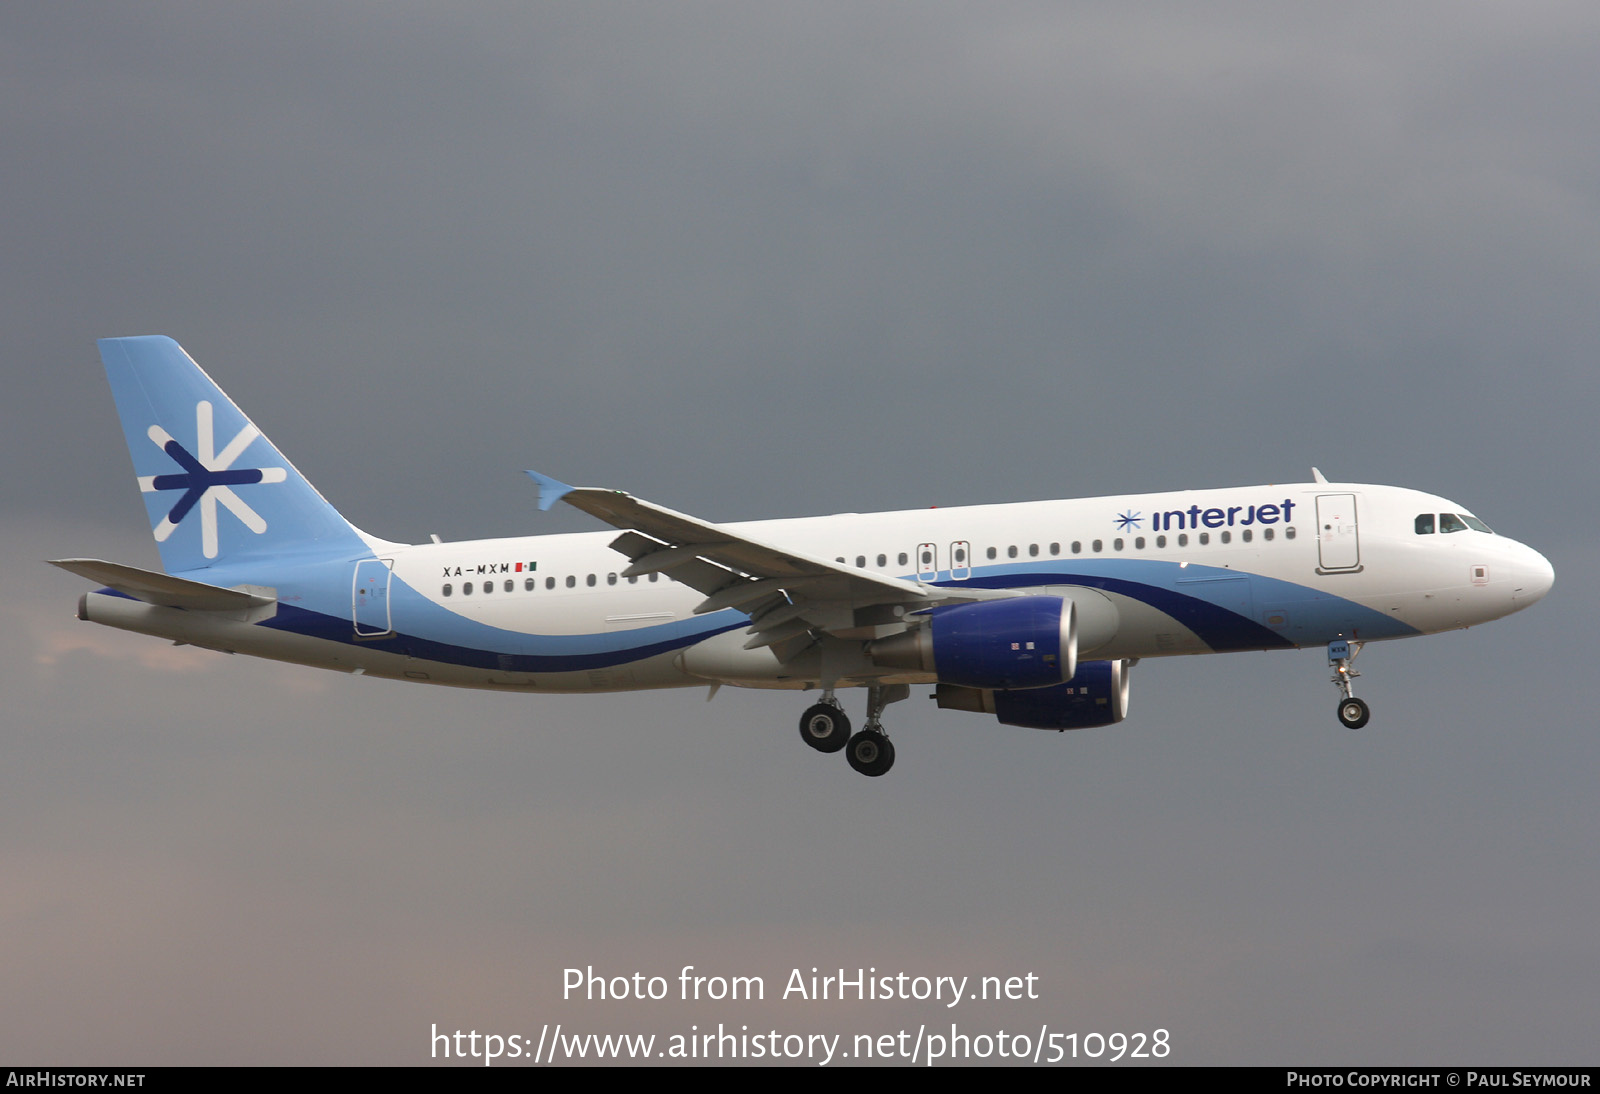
(1128, 520)
(208, 477)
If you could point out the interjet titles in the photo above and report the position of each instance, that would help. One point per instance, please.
(1196, 517)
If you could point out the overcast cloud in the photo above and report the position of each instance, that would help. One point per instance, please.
(769, 260)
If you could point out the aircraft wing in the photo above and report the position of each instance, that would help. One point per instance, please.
(785, 593)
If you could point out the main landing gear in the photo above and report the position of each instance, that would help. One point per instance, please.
(870, 752)
(1353, 712)
(826, 728)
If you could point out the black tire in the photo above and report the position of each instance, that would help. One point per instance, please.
(1353, 713)
(870, 753)
(825, 728)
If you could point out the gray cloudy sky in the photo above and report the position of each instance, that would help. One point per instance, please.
(771, 260)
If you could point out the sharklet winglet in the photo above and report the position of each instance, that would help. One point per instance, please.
(550, 490)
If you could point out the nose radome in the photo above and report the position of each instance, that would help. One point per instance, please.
(1536, 577)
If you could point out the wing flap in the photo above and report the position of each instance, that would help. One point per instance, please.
(650, 556)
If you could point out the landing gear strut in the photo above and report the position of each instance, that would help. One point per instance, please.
(1353, 712)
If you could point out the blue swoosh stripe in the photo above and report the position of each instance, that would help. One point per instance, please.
(331, 628)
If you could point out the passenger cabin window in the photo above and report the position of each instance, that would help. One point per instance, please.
(904, 558)
(883, 560)
(448, 590)
(530, 584)
(1011, 552)
(1424, 524)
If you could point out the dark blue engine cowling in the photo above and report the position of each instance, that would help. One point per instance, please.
(1096, 696)
(1024, 642)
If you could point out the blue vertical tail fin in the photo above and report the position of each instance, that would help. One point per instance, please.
(217, 491)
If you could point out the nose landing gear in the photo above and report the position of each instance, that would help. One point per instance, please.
(1353, 712)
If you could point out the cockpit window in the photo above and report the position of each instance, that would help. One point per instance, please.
(1449, 522)
(1424, 524)
(1475, 524)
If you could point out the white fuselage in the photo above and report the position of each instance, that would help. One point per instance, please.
(1153, 575)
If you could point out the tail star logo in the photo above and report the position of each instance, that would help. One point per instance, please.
(207, 479)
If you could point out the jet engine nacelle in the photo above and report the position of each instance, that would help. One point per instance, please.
(1020, 643)
(1096, 696)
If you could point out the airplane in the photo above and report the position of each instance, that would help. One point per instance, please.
(1031, 612)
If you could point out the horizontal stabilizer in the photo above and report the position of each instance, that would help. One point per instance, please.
(163, 589)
